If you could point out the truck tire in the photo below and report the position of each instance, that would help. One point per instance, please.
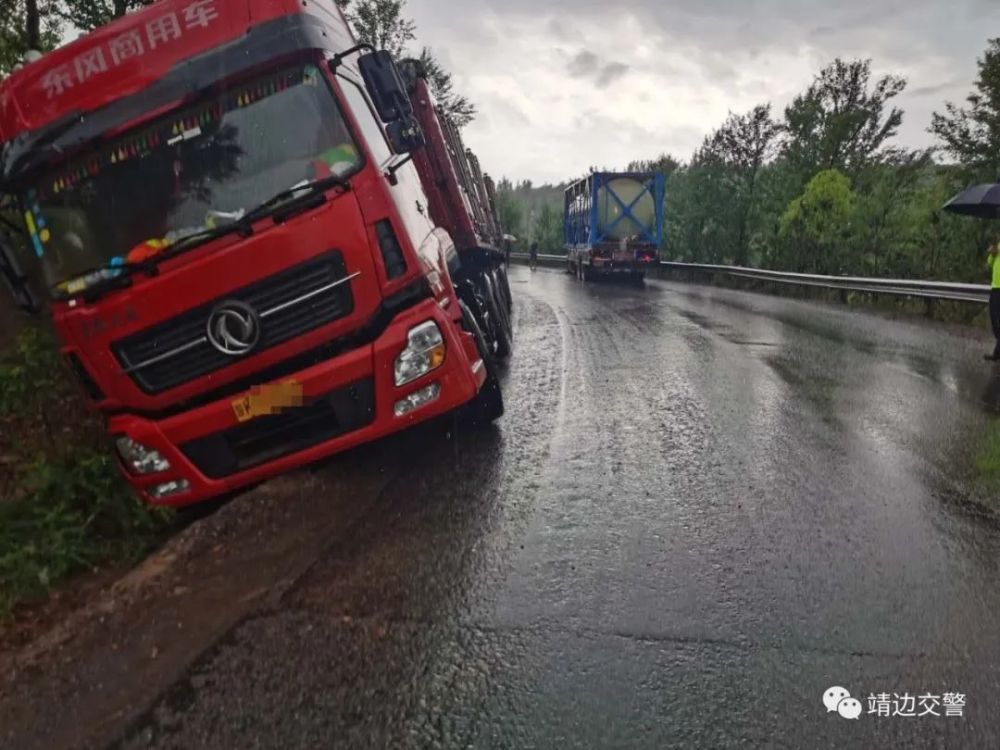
(470, 293)
(501, 274)
(502, 292)
(508, 319)
(487, 405)
(501, 323)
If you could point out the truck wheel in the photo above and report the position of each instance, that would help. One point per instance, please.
(502, 290)
(501, 323)
(504, 282)
(487, 405)
(499, 295)
(471, 295)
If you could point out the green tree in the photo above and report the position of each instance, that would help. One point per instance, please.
(664, 163)
(699, 215)
(826, 190)
(88, 15)
(816, 224)
(888, 231)
(548, 229)
(457, 107)
(509, 208)
(742, 146)
(842, 121)
(26, 25)
(972, 134)
(381, 24)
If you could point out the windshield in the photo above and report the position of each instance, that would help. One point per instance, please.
(189, 171)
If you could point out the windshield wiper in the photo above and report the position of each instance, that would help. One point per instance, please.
(240, 227)
(292, 196)
(244, 225)
(120, 280)
(148, 266)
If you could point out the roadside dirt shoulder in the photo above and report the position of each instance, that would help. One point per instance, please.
(108, 659)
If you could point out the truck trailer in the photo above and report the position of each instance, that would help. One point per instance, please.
(252, 239)
(613, 224)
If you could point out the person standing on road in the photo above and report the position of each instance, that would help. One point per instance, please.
(994, 265)
(533, 257)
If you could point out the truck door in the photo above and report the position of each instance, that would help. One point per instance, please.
(407, 194)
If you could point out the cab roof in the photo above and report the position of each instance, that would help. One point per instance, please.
(133, 52)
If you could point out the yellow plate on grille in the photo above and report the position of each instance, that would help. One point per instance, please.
(263, 400)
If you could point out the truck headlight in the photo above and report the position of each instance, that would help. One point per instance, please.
(424, 352)
(140, 459)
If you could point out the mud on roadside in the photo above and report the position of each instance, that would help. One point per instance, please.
(144, 628)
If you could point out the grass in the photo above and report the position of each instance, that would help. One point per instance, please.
(987, 459)
(63, 506)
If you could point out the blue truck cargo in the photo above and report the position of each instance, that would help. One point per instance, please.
(613, 223)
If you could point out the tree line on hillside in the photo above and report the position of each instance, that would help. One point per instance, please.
(824, 188)
(41, 24)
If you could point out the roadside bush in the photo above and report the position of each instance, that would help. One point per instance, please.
(63, 506)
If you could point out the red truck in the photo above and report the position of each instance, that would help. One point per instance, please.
(261, 245)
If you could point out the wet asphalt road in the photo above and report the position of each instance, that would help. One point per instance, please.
(702, 509)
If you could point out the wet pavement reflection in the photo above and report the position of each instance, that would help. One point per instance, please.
(703, 508)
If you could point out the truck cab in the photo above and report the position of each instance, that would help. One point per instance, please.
(219, 199)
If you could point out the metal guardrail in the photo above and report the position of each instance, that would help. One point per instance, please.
(545, 260)
(943, 290)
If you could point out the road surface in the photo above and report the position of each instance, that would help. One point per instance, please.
(703, 509)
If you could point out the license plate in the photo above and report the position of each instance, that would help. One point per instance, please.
(263, 400)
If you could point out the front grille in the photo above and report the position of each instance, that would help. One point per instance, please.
(267, 438)
(290, 303)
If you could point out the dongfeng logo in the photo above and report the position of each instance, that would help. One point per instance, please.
(234, 328)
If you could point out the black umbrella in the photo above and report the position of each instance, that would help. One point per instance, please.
(981, 201)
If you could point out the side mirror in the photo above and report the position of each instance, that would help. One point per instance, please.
(392, 101)
(17, 282)
(405, 135)
(385, 86)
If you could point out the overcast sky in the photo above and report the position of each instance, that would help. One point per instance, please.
(565, 84)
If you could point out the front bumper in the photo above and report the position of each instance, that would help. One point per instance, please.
(347, 400)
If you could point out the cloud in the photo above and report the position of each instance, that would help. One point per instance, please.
(935, 89)
(584, 63)
(611, 73)
(562, 84)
